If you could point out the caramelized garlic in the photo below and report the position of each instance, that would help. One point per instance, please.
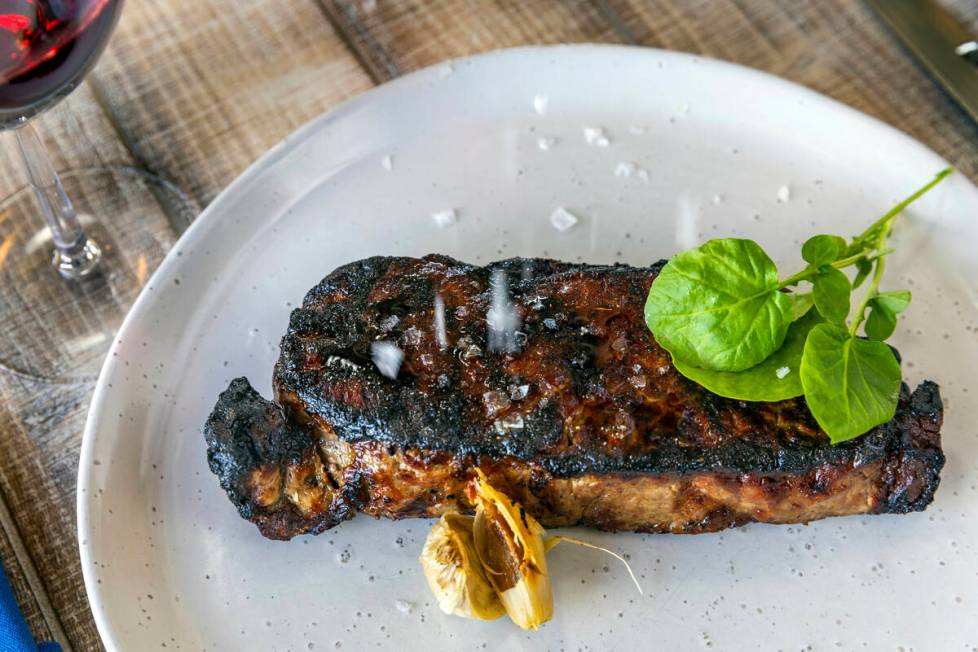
(494, 563)
(454, 572)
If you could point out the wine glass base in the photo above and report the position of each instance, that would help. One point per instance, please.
(57, 331)
(79, 261)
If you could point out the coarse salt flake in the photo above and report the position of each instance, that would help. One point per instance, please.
(387, 357)
(545, 144)
(784, 194)
(540, 103)
(781, 372)
(596, 136)
(624, 169)
(404, 606)
(387, 163)
(446, 218)
(562, 219)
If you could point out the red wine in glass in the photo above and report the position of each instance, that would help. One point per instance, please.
(46, 47)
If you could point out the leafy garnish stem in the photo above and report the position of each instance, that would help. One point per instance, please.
(874, 284)
(896, 210)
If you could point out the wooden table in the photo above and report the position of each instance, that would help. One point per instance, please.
(190, 92)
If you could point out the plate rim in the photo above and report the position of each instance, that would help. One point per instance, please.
(212, 214)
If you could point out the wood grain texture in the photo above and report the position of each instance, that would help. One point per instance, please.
(192, 91)
(198, 90)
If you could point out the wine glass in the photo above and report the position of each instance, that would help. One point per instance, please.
(58, 325)
(46, 47)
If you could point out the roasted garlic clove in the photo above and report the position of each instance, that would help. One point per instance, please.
(454, 572)
(510, 545)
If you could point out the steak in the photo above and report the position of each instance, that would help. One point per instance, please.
(399, 376)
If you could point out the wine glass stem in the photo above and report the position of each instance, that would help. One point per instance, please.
(75, 254)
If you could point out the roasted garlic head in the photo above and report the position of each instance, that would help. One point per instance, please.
(494, 563)
(454, 572)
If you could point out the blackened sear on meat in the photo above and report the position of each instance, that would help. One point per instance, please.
(588, 394)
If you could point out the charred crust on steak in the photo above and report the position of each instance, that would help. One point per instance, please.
(592, 394)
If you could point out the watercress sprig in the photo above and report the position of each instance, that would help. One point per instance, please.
(733, 325)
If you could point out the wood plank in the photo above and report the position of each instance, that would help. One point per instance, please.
(837, 47)
(398, 37)
(199, 90)
(24, 591)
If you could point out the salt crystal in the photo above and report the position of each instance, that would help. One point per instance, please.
(596, 136)
(446, 70)
(784, 194)
(495, 402)
(337, 361)
(469, 352)
(642, 174)
(518, 392)
(620, 344)
(427, 359)
(444, 219)
(441, 334)
(388, 323)
(781, 372)
(550, 324)
(461, 312)
(717, 199)
(545, 144)
(507, 423)
(387, 163)
(636, 130)
(624, 169)
(562, 219)
(412, 336)
(404, 606)
(637, 381)
(540, 103)
(387, 358)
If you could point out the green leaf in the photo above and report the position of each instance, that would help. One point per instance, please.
(831, 294)
(896, 301)
(863, 268)
(801, 303)
(884, 308)
(881, 321)
(851, 385)
(823, 249)
(775, 379)
(718, 306)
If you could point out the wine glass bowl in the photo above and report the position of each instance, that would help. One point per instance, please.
(46, 47)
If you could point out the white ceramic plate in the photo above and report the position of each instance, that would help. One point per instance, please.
(166, 558)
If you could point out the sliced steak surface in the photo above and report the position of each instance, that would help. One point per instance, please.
(545, 376)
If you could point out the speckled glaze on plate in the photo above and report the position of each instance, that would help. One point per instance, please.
(651, 151)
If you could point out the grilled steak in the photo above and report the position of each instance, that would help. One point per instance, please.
(579, 414)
